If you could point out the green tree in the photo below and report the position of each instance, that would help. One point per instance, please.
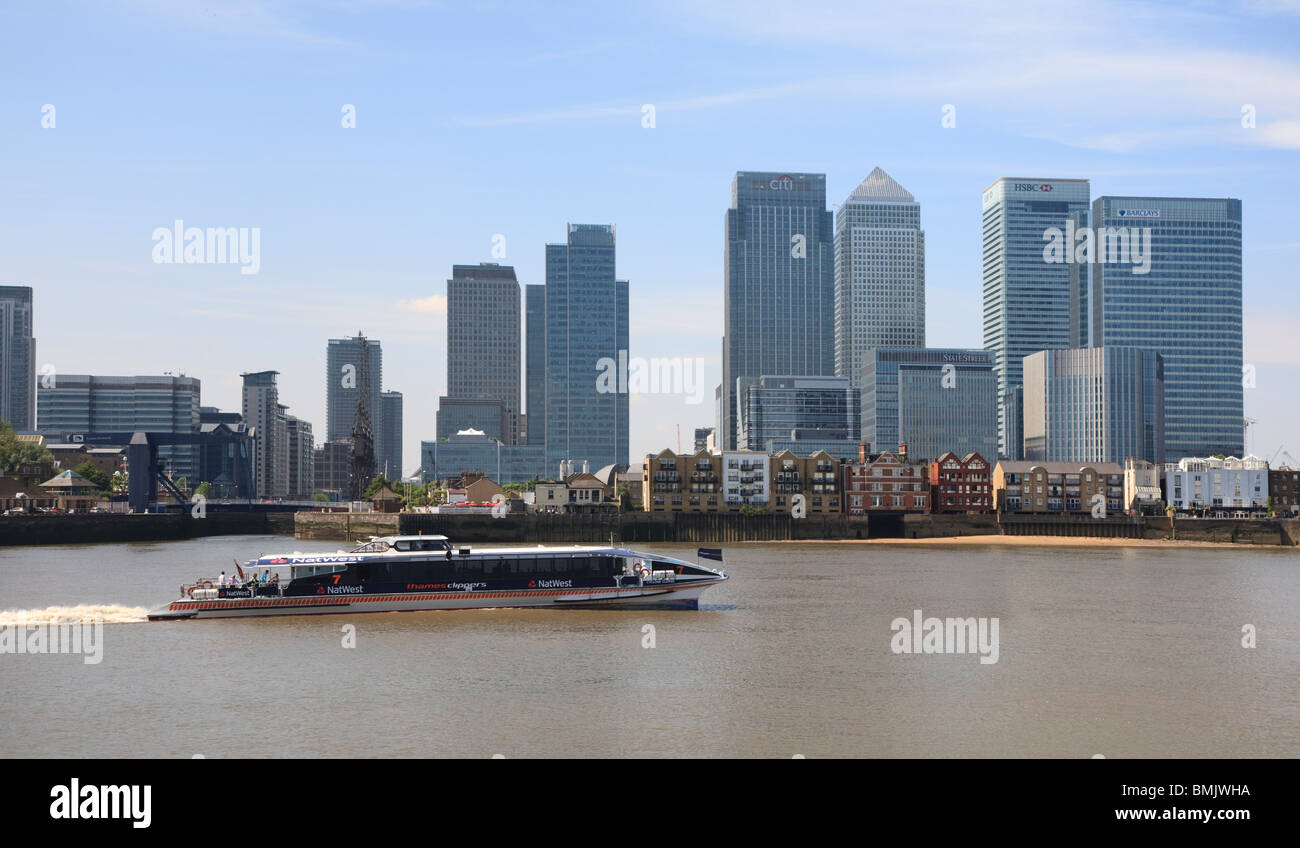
(15, 453)
(203, 490)
(101, 480)
(321, 496)
(375, 485)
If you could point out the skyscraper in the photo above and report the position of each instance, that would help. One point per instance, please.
(483, 337)
(342, 358)
(933, 399)
(261, 408)
(535, 362)
(1098, 404)
(879, 273)
(390, 418)
(779, 284)
(17, 358)
(1187, 308)
(1026, 298)
(586, 339)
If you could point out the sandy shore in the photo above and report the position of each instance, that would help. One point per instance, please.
(1040, 542)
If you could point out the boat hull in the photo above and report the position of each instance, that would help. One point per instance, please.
(651, 596)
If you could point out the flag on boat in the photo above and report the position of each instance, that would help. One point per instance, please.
(714, 554)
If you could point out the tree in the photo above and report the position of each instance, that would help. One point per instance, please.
(203, 490)
(120, 483)
(321, 496)
(15, 453)
(375, 485)
(101, 480)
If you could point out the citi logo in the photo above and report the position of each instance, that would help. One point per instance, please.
(75, 801)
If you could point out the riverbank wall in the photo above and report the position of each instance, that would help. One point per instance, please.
(109, 527)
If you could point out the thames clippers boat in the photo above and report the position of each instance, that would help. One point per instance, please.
(402, 573)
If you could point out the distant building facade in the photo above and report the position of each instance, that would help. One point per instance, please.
(483, 338)
(76, 404)
(1097, 404)
(886, 482)
(17, 358)
(1057, 487)
(879, 273)
(935, 400)
(779, 285)
(389, 463)
(789, 409)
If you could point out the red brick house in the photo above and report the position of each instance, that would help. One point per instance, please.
(886, 482)
(961, 484)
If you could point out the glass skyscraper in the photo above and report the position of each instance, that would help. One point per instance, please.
(1026, 298)
(17, 358)
(1099, 404)
(483, 337)
(535, 362)
(932, 399)
(879, 272)
(586, 321)
(779, 288)
(790, 410)
(1187, 308)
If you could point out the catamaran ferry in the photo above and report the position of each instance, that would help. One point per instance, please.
(400, 573)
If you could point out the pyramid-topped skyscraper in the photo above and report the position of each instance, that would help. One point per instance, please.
(879, 272)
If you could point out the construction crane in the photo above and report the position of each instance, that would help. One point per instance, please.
(1282, 453)
(1245, 433)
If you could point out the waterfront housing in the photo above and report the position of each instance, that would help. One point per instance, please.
(1284, 491)
(1195, 483)
(886, 482)
(733, 480)
(1057, 487)
(960, 484)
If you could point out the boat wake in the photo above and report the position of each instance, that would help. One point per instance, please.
(106, 613)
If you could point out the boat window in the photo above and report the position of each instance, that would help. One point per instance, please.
(300, 571)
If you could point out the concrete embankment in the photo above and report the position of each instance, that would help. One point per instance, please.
(109, 527)
(533, 528)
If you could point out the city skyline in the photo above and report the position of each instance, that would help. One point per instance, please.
(345, 236)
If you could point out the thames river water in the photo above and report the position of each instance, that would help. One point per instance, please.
(1123, 652)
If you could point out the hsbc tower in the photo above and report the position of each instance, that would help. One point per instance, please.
(1026, 299)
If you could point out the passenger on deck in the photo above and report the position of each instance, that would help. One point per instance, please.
(221, 581)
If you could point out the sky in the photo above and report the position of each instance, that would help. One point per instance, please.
(497, 123)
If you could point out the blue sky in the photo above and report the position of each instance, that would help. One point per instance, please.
(477, 119)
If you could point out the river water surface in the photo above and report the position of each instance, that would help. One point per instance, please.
(1124, 652)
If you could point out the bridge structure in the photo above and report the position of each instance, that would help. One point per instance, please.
(144, 472)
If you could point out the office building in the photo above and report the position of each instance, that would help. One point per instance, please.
(486, 414)
(483, 338)
(879, 272)
(790, 413)
(586, 350)
(74, 405)
(935, 400)
(17, 358)
(474, 451)
(331, 462)
(261, 408)
(535, 362)
(1187, 307)
(1026, 297)
(300, 463)
(779, 285)
(1097, 404)
(343, 358)
(389, 463)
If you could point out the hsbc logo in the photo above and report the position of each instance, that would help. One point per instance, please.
(1033, 186)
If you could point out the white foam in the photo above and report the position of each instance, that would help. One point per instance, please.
(107, 613)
